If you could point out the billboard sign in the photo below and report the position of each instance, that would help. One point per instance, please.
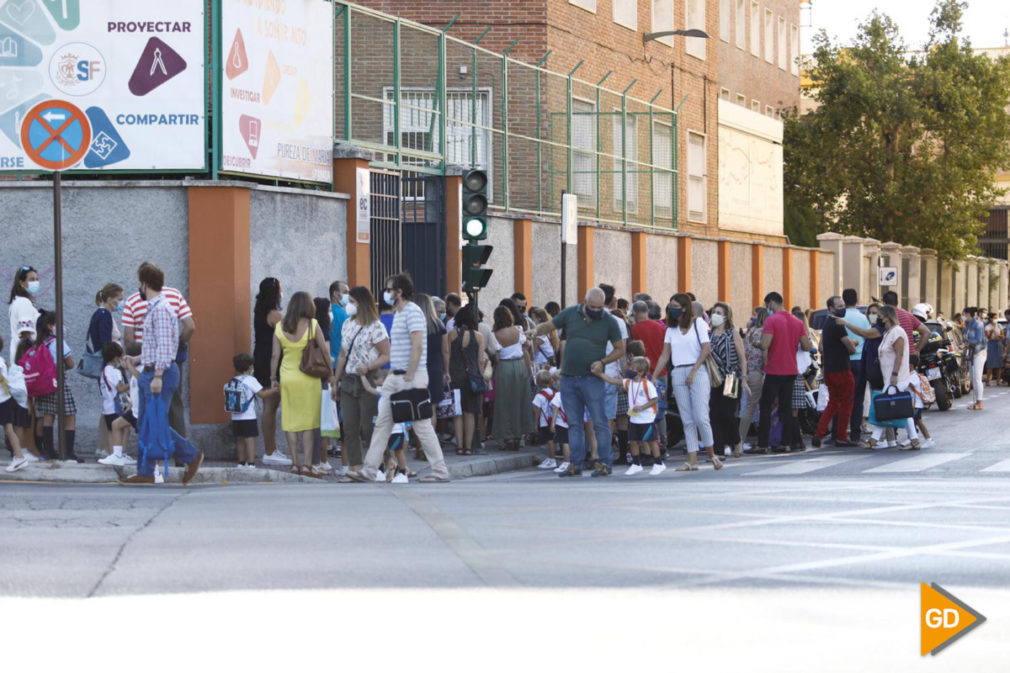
(102, 85)
(277, 89)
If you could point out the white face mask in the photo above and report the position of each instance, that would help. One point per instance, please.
(33, 287)
(343, 300)
(718, 319)
(352, 310)
(387, 297)
(872, 318)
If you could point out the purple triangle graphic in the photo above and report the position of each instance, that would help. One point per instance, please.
(158, 63)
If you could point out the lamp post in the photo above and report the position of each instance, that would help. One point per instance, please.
(690, 32)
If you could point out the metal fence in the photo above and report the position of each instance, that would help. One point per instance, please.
(427, 102)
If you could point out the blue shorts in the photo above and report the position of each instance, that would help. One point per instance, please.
(642, 432)
(610, 402)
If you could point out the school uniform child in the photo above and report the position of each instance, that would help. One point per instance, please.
(559, 427)
(922, 394)
(240, 396)
(122, 425)
(13, 418)
(643, 403)
(399, 438)
(543, 412)
(115, 401)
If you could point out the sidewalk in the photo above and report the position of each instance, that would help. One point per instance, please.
(216, 472)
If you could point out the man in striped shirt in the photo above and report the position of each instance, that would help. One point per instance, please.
(159, 377)
(134, 312)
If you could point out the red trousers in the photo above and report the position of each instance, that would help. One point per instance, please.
(841, 387)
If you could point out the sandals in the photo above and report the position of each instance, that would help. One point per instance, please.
(870, 444)
(432, 479)
(914, 446)
(460, 452)
(687, 467)
(716, 463)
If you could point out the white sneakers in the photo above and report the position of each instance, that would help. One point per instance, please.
(927, 443)
(562, 467)
(548, 464)
(114, 460)
(658, 468)
(380, 475)
(278, 458)
(635, 468)
(344, 469)
(18, 463)
(324, 468)
(400, 478)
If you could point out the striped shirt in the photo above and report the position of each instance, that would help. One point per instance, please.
(135, 309)
(162, 326)
(406, 321)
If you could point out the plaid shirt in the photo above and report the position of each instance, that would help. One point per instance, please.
(162, 330)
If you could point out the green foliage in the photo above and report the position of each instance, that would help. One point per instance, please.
(902, 146)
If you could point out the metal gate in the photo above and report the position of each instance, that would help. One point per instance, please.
(423, 230)
(387, 239)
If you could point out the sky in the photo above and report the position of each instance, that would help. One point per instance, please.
(984, 20)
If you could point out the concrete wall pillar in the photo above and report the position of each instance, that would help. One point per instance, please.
(871, 262)
(787, 276)
(684, 264)
(639, 265)
(928, 269)
(853, 264)
(832, 242)
(946, 302)
(959, 294)
(585, 266)
(815, 277)
(983, 283)
(345, 179)
(1004, 276)
(219, 293)
(971, 280)
(890, 255)
(912, 281)
(757, 270)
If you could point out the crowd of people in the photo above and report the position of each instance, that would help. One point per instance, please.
(607, 381)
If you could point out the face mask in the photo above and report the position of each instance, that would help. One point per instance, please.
(630, 374)
(140, 290)
(718, 319)
(441, 316)
(839, 312)
(770, 310)
(872, 318)
(33, 287)
(119, 306)
(388, 297)
(674, 312)
(752, 322)
(352, 310)
(343, 300)
(595, 315)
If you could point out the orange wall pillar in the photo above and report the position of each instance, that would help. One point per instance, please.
(815, 277)
(787, 277)
(723, 254)
(359, 264)
(684, 264)
(453, 234)
(523, 255)
(219, 292)
(757, 274)
(585, 261)
(638, 263)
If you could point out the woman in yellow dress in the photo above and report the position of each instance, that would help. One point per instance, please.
(300, 393)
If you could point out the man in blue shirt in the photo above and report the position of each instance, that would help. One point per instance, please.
(854, 316)
(338, 314)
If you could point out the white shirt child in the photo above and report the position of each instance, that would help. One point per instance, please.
(253, 387)
(639, 393)
(542, 401)
(109, 385)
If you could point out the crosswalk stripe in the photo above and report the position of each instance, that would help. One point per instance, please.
(803, 466)
(917, 463)
(1002, 466)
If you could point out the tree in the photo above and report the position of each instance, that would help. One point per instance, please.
(902, 146)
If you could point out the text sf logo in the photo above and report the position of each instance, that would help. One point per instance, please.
(77, 69)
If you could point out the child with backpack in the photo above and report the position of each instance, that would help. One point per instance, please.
(643, 404)
(239, 396)
(399, 437)
(13, 417)
(115, 400)
(542, 410)
(559, 428)
(922, 396)
(39, 364)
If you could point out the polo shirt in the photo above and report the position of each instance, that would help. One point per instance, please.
(585, 340)
(135, 310)
(855, 317)
(406, 321)
(651, 334)
(786, 331)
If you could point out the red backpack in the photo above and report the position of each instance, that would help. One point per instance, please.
(40, 369)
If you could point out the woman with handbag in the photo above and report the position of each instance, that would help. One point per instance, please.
(466, 363)
(364, 351)
(513, 412)
(894, 369)
(687, 347)
(728, 352)
(306, 361)
(102, 329)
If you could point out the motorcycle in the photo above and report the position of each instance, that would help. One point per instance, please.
(940, 366)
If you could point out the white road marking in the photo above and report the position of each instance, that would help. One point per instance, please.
(803, 466)
(1002, 466)
(918, 463)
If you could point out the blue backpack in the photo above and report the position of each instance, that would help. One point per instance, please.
(235, 401)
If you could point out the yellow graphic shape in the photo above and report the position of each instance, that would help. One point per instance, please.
(303, 102)
(271, 79)
(943, 618)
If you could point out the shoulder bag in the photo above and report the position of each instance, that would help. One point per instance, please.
(714, 373)
(474, 376)
(410, 405)
(314, 361)
(92, 364)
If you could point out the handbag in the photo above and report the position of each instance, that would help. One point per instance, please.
(410, 405)
(731, 388)
(329, 421)
(314, 361)
(714, 373)
(888, 406)
(92, 364)
(451, 404)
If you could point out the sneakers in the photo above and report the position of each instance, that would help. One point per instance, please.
(380, 475)
(815, 442)
(634, 469)
(570, 471)
(548, 464)
(249, 466)
(601, 471)
(561, 468)
(101, 453)
(400, 478)
(17, 463)
(928, 443)
(278, 458)
(114, 461)
(31, 457)
(658, 468)
(324, 468)
(344, 469)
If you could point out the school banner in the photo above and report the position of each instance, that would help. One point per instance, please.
(102, 85)
(277, 89)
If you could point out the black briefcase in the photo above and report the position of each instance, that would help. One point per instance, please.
(410, 405)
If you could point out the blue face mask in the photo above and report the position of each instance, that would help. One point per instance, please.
(674, 312)
(119, 306)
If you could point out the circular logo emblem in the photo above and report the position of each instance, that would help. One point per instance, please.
(77, 69)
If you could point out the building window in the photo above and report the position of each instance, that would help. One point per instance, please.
(662, 157)
(755, 105)
(630, 154)
(755, 29)
(783, 45)
(741, 99)
(588, 5)
(695, 46)
(697, 193)
(794, 65)
(769, 36)
(584, 148)
(725, 20)
(724, 94)
(769, 111)
(626, 13)
(662, 19)
(741, 24)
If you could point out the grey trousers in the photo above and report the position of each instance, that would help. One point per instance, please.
(358, 410)
(755, 380)
(692, 403)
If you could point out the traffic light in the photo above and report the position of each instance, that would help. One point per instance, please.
(474, 257)
(475, 205)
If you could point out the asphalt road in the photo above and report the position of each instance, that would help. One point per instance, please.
(782, 529)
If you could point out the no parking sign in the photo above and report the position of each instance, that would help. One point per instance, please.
(55, 134)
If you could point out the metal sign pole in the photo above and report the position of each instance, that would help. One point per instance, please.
(60, 364)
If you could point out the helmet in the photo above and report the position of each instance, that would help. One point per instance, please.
(922, 311)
